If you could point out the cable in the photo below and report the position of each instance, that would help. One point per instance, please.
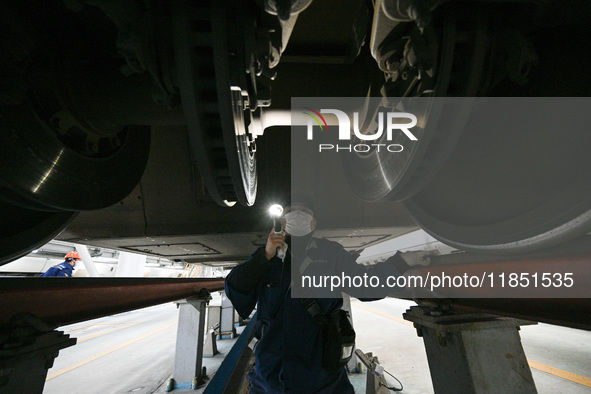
(391, 387)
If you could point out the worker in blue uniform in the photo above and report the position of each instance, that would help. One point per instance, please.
(288, 355)
(65, 268)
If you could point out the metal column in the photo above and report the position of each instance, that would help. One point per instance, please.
(473, 353)
(188, 371)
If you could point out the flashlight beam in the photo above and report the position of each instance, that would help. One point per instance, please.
(275, 210)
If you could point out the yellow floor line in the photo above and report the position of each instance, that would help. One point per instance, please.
(89, 359)
(395, 318)
(533, 364)
(105, 333)
(560, 373)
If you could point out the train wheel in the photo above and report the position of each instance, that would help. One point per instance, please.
(216, 86)
(460, 53)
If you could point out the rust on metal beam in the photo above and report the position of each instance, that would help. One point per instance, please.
(577, 268)
(568, 312)
(569, 307)
(61, 301)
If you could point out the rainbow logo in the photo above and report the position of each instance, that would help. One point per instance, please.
(315, 116)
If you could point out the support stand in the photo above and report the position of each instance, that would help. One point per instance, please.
(375, 382)
(188, 371)
(473, 353)
(227, 329)
(26, 353)
(211, 348)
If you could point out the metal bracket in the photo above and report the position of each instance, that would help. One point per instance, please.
(27, 350)
(471, 352)
(375, 383)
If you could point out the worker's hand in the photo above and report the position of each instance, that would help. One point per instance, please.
(274, 241)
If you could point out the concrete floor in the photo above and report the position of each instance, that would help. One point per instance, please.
(134, 352)
(128, 352)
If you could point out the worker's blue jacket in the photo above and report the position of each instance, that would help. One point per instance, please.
(64, 269)
(288, 356)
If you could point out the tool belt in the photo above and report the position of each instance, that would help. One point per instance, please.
(338, 335)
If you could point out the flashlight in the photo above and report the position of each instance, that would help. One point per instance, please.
(275, 211)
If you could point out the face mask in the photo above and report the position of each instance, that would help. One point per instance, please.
(298, 223)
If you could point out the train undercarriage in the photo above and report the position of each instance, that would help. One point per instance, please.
(159, 127)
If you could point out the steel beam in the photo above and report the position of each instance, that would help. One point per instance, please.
(61, 301)
(577, 268)
(569, 312)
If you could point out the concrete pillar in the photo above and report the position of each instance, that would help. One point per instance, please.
(227, 329)
(473, 353)
(87, 260)
(131, 265)
(188, 358)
